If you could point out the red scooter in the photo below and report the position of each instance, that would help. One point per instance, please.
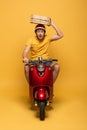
(41, 83)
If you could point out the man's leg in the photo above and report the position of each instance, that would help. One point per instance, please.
(56, 69)
(26, 70)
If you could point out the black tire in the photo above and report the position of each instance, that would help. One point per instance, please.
(42, 110)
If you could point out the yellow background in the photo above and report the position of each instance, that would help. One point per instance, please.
(69, 106)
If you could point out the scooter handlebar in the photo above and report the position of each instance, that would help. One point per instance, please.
(36, 62)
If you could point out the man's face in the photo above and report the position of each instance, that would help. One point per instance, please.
(40, 34)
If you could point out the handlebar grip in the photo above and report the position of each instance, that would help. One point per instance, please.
(26, 62)
(54, 59)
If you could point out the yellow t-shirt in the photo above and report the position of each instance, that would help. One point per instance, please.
(39, 48)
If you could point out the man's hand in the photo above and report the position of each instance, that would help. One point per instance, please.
(51, 22)
(25, 60)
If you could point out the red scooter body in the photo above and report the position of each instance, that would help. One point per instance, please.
(40, 84)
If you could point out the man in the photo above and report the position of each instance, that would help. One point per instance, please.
(38, 46)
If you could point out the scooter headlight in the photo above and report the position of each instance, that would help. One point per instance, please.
(40, 67)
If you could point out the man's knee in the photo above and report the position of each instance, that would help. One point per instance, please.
(26, 68)
(57, 67)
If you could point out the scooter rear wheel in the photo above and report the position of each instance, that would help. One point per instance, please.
(42, 110)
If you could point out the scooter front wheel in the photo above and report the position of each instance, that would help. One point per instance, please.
(42, 110)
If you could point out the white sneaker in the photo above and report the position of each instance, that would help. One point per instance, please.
(48, 103)
(35, 103)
